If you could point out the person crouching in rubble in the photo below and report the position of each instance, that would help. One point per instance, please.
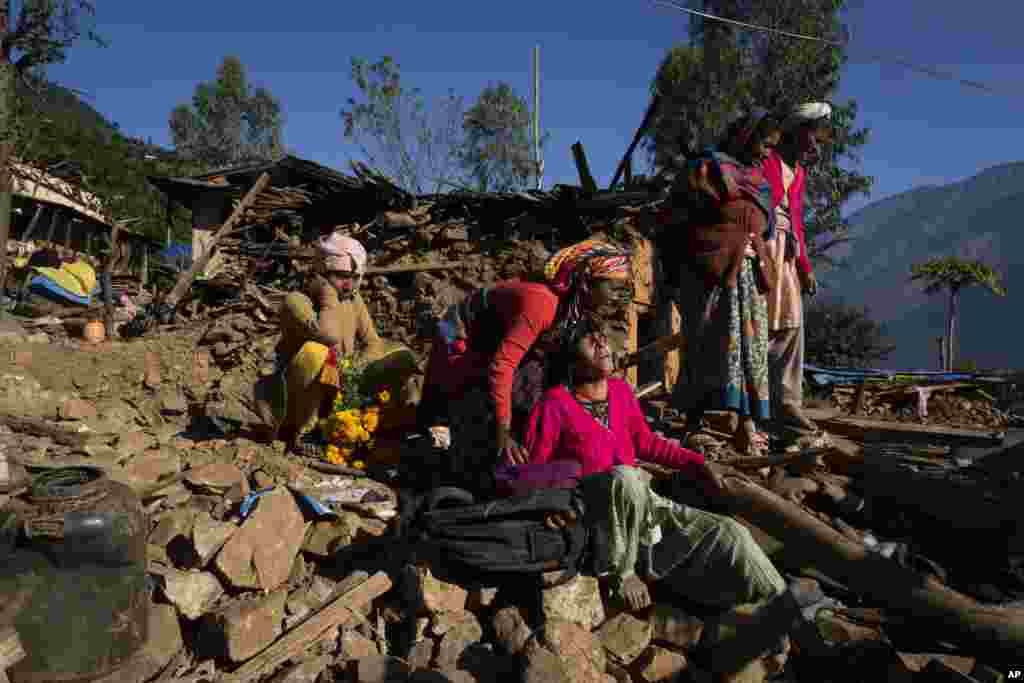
(320, 326)
(597, 421)
(486, 368)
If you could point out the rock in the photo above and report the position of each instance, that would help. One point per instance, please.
(191, 592)
(542, 665)
(675, 627)
(578, 601)
(328, 536)
(431, 594)
(215, 479)
(76, 409)
(245, 628)
(581, 652)
(209, 536)
(378, 669)
(658, 665)
(306, 672)
(173, 404)
(152, 466)
(625, 637)
(132, 443)
(261, 553)
(510, 629)
(456, 640)
(11, 331)
(422, 654)
(163, 641)
(356, 646)
(176, 523)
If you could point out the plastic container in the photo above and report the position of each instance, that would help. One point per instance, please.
(76, 576)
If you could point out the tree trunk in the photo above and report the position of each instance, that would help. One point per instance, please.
(7, 83)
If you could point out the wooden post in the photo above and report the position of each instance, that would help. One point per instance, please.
(108, 294)
(53, 225)
(27, 235)
(858, 403)
(949, 615)
(198, 263)
(583, 168)
(144, 274)
(67, 232)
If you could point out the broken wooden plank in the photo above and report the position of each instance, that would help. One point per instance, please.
(338, 612)
(43, 428)
(868, 430)
(648, 389)
(198, 264)
(583, 168)
(951, 616)
(661, 345)
(417, 268)
(637, 137)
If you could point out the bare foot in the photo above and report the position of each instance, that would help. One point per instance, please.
(634, 590)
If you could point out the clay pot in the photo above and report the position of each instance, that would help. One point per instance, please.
(94, 332)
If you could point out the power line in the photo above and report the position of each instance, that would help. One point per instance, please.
(926, 70)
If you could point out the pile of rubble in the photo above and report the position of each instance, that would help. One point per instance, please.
(960, 404)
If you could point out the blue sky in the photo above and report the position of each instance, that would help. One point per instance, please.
(597, 60)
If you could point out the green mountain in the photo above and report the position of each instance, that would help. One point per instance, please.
(72, 140)
(974, 218)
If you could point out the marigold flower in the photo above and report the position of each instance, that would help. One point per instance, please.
(370, 422)
(384, 396)
(359, 465)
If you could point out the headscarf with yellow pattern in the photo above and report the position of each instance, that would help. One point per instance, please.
(572, 271)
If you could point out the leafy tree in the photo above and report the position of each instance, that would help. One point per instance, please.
(840, 335)
(417, 145)
(952, 274)
(724, 70)
(33, 33)
(497, 153)
(229, 121)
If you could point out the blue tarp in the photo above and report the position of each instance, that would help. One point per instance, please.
(824, 376)
(177, 256)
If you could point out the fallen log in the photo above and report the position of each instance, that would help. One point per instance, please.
(43, 428)
(338, 612)
(866, 430)
(985, 630)
(185, 279)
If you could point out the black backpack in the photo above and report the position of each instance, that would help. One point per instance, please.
(497, 539)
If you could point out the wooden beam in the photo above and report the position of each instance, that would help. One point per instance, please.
(948, 615)
(185, 280)
(867, 430)
(583, 168)
(27, 235)
(108, 285)
(54, 219)
(340, 611)
(648, 117)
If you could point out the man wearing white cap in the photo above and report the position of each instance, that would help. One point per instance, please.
(804, 129)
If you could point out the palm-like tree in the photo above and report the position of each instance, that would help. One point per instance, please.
(953, 274)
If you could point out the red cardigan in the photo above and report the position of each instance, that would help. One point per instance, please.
(561, 429)
(773, 172)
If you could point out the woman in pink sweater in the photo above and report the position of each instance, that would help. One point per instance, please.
(596, 420)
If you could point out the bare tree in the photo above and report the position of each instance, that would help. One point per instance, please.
(417, 145)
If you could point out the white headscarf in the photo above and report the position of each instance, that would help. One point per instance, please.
(808, 112)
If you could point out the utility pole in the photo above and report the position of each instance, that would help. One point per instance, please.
(537, 158)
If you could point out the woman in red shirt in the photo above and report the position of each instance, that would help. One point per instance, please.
(485, 371)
